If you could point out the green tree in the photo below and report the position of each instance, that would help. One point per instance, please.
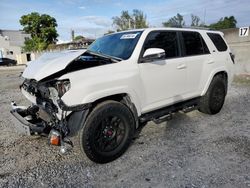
(79, 37)
(176, 21)
(109, 32)
(224, 23)
(139, 19)
(127, 21)
(42, 28)
(195, 21)
(123, 22)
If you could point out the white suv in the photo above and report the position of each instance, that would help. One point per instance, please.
(122, 81)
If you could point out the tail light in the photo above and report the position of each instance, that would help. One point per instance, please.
(232, 57)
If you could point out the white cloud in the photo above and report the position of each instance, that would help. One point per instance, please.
(88, 26)
(98, 20)
(89, 32)
(212, 10)
(118, 4)
(61, 41)
(82, 7)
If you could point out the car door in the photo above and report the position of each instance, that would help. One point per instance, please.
(197, 58)
(164, 81)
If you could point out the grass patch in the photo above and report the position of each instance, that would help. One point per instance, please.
(242, 79)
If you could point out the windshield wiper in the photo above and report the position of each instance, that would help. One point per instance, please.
(111, 58)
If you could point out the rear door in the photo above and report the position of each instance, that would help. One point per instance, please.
(197, 58)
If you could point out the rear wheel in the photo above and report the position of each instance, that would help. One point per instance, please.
(107, 132)
(212, 102)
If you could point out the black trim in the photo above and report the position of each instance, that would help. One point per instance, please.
(76, 121)
(203, 43)
(180, 44)
(26, 126)
(183, 48)
(78, 107)
(149, 116)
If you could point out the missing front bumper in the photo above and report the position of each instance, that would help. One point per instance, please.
(21, 125)
(24, 126)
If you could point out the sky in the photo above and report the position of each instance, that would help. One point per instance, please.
(92, 18)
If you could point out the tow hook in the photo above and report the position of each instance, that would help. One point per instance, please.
(55, 138)
(14, 106)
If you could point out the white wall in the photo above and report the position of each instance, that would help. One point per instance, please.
(240, 46)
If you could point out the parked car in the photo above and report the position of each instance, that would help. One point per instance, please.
(7, 61)
(121, 82)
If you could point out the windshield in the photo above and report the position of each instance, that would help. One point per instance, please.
(119, 45)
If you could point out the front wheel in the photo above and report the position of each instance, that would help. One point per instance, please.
(107, 132)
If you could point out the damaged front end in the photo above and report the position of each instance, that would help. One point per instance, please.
(48, 115)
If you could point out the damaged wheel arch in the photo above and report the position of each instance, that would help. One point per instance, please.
(77, 119)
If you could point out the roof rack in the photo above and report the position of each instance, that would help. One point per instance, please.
(198, 27)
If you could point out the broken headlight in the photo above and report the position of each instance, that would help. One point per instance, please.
(62, 86)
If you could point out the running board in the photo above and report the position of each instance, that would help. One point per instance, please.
(162, 119)
(165, 113)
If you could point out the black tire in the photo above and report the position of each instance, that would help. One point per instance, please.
(212, 102)
(107, 132)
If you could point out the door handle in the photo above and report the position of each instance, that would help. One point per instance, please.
(210, 62)
(181, 66)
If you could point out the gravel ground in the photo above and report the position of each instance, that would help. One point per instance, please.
(192, 150)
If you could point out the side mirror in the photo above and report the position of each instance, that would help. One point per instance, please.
(152, 54)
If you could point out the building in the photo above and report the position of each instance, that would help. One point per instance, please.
(11, 42)
(240, 47)
(76, 44)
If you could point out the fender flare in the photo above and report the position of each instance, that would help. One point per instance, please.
(76, 119)
(131, 94)
(211, 76)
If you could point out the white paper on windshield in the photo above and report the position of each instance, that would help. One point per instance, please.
(129, 36)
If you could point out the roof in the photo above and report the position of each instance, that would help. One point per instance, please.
(171, 29)
(175, 29)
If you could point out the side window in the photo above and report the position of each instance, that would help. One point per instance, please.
(194, 44)
(218, 41)
(205, 48)
(166, 40)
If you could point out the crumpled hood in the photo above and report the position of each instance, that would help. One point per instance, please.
(50, 63)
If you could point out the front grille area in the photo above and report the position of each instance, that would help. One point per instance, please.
(42, 94)
(30, 86)
(39, 90)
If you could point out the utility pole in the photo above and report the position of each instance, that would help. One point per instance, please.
(204, 20)
(72, 35)
(134, 22)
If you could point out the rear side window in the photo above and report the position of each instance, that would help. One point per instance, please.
(165, 40)
(194, 44)
(218, 41)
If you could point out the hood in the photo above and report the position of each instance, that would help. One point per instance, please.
(50, 63)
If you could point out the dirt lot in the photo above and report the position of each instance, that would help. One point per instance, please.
(192, 150)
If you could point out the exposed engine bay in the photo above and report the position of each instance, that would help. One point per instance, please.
(48, 115)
